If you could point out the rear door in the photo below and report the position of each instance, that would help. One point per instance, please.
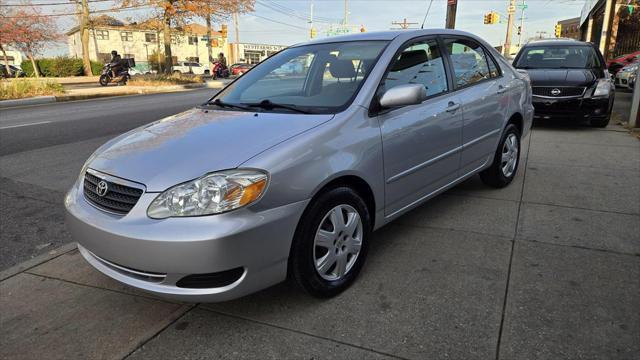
(485, 100)
(421, 142)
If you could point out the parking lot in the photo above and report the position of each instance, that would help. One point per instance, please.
(547, 268)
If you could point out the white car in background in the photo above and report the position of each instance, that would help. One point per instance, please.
(188, 67)
(626, 77)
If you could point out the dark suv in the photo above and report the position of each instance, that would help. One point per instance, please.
(569, 80)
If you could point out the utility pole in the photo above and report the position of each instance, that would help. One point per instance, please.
(236, 32)
(311, 29)
(452, 6)
(83, 20)
(510, 11)
(524, 6)
(345, 18)
(404, 25)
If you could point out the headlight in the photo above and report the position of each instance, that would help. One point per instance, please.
(211, 194)
(603, 88)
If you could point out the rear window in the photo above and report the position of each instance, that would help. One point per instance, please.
(558, 57)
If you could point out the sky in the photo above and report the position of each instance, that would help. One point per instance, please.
(270, 23)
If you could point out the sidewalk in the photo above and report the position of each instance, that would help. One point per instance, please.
(546, 268)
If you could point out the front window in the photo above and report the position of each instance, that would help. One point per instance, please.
(558, 57)
(150, 37)
(317, 78)
(469, 62)
(419, 63)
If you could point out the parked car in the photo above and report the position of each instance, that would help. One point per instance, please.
(626, 77)
(240, 68)
(187, 67)
(614, 65)
(14, 71)
(286, 176)
(569, 80)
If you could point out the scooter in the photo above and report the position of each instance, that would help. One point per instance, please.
(108, 76)
(219, 70)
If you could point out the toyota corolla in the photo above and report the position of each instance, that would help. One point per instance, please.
(281, 177)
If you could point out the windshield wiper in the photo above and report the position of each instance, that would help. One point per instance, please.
(223, 104)
(269, 105)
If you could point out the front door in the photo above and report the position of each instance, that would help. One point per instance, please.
(421, 142)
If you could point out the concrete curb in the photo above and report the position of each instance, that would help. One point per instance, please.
(31, 263)
(38, 100)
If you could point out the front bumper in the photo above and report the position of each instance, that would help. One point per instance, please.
(624, 80)
(154, 255)
(547, 108)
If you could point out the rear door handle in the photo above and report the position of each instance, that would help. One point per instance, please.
(453, 107)
(502, 89)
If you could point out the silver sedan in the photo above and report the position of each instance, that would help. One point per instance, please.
(287, 171)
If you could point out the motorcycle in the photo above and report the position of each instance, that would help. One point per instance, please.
(108, 76)
(219, 70)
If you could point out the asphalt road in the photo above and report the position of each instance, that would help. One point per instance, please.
(33, 127)
(42, 149)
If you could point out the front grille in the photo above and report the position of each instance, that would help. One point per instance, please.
(548, 91)
(118, 198)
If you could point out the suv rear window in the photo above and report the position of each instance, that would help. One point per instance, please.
(558, 57)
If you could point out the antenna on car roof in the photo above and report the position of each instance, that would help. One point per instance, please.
(427, 14)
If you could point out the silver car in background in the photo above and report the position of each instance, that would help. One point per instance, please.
(282, 177)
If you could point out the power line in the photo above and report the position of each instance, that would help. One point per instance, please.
(127, 8)
(276, 21)
(49, 4)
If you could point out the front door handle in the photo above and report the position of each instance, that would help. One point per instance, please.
(453, 107)
(501, 89)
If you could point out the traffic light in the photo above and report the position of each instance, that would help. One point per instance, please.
(519, 30)
(491, 18)
(224, 31)
(362, 29)
(313, 33)
(558, 30)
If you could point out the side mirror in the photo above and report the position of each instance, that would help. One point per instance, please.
(402, 95)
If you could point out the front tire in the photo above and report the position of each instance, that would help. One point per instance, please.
(104, 80)
(600, 122)
(506, 160)
(331, 243)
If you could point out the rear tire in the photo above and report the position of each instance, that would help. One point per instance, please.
(505, 161)
(331, 243)
(600, 122)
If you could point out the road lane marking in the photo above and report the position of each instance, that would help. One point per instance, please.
(21, 125)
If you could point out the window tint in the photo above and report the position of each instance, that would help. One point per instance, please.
(420, 63)
(468, 60)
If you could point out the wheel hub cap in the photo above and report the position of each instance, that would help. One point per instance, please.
(509, 155)
(337, 242)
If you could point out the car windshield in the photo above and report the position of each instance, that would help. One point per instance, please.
(558, 57)
(315, 78)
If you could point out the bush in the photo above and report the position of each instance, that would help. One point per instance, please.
(59, 67)
(21, 88)
(163, 79)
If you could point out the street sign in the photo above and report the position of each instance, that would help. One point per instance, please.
(511, 9)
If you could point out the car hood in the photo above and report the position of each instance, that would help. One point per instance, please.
(188, 145)
(563, 77)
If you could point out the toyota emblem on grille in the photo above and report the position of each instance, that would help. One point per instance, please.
(102, 188)
(555, 92)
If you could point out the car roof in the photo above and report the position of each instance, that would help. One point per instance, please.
(556, 42)
(387, 35)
